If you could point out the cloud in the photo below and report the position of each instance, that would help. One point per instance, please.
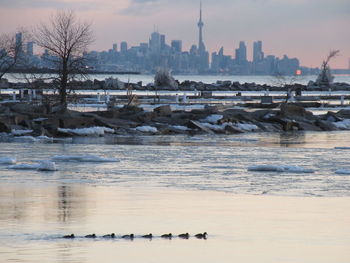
(142, 7)
(40, 4)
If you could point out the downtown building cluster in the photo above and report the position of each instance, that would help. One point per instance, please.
(149, 56)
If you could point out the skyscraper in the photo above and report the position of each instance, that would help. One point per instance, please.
(241, 53)
(258, 54)
(201, 46)
(203, 55)
(123, 46)
(30, 49)
(176, 45)
(19, 47)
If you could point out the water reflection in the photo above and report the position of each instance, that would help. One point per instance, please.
(62, 204)
(287, 139)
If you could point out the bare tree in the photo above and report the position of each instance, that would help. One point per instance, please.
(65, 40)
(325, 77)
(11, 52)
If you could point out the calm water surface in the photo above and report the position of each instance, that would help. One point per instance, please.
(179, 184)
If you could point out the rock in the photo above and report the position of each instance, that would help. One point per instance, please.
(4, 127)
(234, 130)
(197, 125)
(164, 110)
(325, 125)
(345, 114)
(292, 110)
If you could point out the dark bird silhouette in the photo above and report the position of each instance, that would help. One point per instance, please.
(148, 236)
(201, 236)
(185, 236)
(131, 236)
(91, 236)
(169, 236)
(69, 236)
(109, 236)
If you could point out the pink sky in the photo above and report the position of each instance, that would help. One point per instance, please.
(306, 29)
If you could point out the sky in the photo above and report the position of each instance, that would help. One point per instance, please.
(306, 29)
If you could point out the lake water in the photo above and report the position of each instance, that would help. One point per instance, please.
(180, 184)
(134, 78)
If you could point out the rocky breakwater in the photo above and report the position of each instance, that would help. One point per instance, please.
(24, 119)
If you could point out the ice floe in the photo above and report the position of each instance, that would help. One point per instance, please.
(33, 139)
(279, 168)
(7, 160)
(83, 158)
(146, 129)
(92, 131)
(41, 166)
(342, 171)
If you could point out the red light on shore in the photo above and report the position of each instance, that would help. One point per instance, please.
(298, 72)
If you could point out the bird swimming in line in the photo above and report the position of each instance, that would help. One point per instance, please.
(148, 236)
(201, 236)
(109, 236)
(185, 236)
(91, 236)
(69, 236)
(169, 236)
(131, 236)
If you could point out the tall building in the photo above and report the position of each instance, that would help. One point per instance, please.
(203, 55)
(241, 54)
(115, 47)
(155, 42)
(19, 47)
(258, 54)
(123, 47)
(201, 46)
(30, 49)
(176, 45)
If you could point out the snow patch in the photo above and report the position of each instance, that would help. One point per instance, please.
(213, 119)
(20, 132)
(146, 129)
(83, 158)
(7, 160)
(246, 126)
(221, 127)
(342, 171)
(279, 168)
(344, 125)
(180, 127)
(92, 131)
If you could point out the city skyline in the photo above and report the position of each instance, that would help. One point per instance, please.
(289, 29)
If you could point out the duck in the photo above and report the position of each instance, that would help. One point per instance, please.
(169, 236)
(131, 236)
(91, 236)
(148, 236)
(186, 235)
(69, 236)
(201, 236)
(109, 236)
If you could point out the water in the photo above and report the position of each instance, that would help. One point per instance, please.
(269, 80)
(180, 184)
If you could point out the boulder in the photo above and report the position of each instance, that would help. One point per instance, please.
(4, 127)
(197, 125)
(164, 110)
(325, 125)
